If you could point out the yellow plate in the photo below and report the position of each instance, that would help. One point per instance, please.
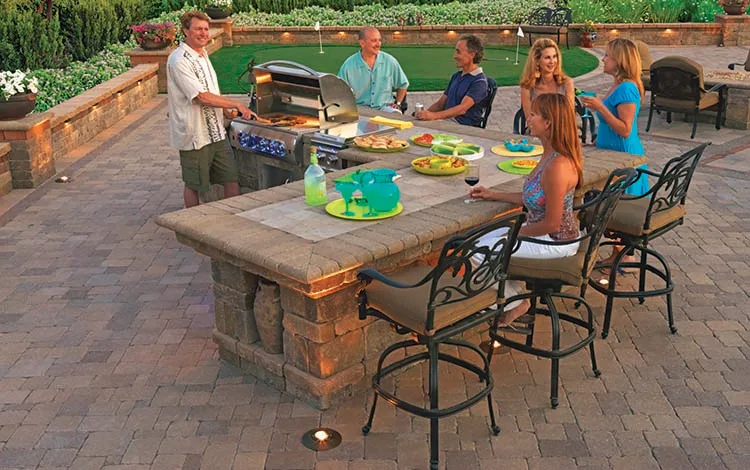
(370, 149)
(504, 152)
(437, 171)
(337, 208)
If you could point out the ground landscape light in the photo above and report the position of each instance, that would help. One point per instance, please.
(498, 347)
(321, 439)
(63, 179)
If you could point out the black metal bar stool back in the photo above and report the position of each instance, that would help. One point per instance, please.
(639, 220)
(545, 279)
(436, 304)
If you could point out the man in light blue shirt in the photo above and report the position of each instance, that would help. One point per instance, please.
(373, 74)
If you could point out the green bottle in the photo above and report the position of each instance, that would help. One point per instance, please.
(315, 181)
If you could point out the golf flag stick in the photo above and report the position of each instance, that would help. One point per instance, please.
(320, 38)
(519, 35)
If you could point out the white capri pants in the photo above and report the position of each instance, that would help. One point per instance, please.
(525, 250)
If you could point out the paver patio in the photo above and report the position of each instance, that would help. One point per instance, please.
(106, 358)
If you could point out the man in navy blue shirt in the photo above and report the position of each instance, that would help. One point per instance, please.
(467, 89)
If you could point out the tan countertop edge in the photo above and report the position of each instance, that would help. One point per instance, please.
(318, 267)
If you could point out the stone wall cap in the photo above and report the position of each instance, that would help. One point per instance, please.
(78, 104)
(26, 123)
(4, 148)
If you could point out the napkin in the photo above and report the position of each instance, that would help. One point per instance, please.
(392, 122)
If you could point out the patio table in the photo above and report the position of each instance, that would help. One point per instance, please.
(310, 261)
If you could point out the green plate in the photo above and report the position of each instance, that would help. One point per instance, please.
(436, 171)
(368, 149)
(446, 138)
(336, 208)
(413, 141)
(507, 166)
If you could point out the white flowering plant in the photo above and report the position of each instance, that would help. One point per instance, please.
(223, 4)
(18, 82)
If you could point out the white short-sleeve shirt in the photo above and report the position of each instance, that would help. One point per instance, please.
(192, 125)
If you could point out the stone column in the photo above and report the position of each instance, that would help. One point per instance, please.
(735, 29)
(30, 158)
(328, 350)
(6, 181)
(226, 25)
(234, 293)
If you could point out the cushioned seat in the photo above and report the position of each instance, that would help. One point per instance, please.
(663, 206)
(707, 100)
(567, 270)
(433, 307)
(630, 217)
(677, 86)
(545, 278)
(408, 307)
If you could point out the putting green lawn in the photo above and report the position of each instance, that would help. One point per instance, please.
(428, 67)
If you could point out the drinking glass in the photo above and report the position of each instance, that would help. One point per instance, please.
(588, 94)
(471, 177)
(346, 189)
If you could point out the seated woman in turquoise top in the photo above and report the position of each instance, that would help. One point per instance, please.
(618, 113)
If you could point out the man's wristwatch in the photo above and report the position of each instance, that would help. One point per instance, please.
(397, 103)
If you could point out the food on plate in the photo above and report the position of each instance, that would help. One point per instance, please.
(525, 163)
(440, 162)
(380, 142)
(424, 139)
(455, 149)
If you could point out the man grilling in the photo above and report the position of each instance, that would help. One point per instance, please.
(373, 74)
(196, 126)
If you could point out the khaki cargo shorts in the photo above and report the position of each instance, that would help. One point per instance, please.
(208, 165)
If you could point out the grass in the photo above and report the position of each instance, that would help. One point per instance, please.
(428, 67)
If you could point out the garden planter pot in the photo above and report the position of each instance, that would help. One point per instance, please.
(587, 39)
(735, 9)
(17, 106)
(268, 317)
(217, 13)
(151, 45)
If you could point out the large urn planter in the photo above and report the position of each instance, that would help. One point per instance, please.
(17, 106)
(588, 38)
(151, 45)
(732, 7)
(218, 13)
(269, 316)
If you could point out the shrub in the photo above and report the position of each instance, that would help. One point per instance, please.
(88, 26)
(58, 85)
(666, 11)
(706, 11)
(13, 83)
(455, 13)
(629, 11)
(29, 41)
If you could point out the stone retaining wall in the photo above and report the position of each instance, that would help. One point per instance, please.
(655, 34)
(6, 181)
(79, 119)
(35, 140)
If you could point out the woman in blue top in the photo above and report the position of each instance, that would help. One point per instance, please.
(618, 113)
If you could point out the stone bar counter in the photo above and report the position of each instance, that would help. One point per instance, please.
(285, 273)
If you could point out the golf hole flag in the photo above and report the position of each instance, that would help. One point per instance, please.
(317, 26)
(520, 32)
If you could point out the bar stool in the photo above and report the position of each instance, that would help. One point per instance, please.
(545, 279)
(434, 305)
(639, 220)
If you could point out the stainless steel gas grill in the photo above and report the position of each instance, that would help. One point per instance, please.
(297, 108)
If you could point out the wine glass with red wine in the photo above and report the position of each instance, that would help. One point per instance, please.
(471, 177)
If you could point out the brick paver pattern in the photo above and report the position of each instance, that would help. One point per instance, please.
(106, 358)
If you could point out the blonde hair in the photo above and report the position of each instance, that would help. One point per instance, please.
(528, 77)
(188, 16)
(563, 137)
(627, 60)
